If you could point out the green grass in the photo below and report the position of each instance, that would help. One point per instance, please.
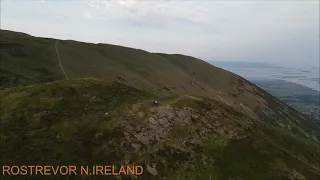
(29, 60)
(76, 109)
(302, 98)
(184, 102)
(47, 120)
(64, 122)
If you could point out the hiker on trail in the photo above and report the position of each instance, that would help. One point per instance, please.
(156, 103)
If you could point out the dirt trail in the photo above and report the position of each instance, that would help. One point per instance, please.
(58, 56)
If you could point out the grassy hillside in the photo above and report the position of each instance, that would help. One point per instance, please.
(65, 122)
(29, 60)
(210, 124)
(306, 100)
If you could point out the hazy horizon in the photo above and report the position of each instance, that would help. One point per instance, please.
(281, 33)
(305, 76)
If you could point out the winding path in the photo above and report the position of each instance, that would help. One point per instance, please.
(58, 56)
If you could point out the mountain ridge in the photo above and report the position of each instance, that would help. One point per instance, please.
(208, 118)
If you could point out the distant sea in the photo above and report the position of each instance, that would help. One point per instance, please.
(307, 76)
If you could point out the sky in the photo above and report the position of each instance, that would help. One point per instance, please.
(269, 31)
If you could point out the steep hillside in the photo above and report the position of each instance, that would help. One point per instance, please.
(28, 60)
(304, 99)
(90, 122)
(210, 124)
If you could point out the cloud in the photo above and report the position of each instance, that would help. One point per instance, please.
(88, 15)
(268, 31)
(41, 1)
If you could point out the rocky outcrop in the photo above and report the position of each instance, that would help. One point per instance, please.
(161, 121)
